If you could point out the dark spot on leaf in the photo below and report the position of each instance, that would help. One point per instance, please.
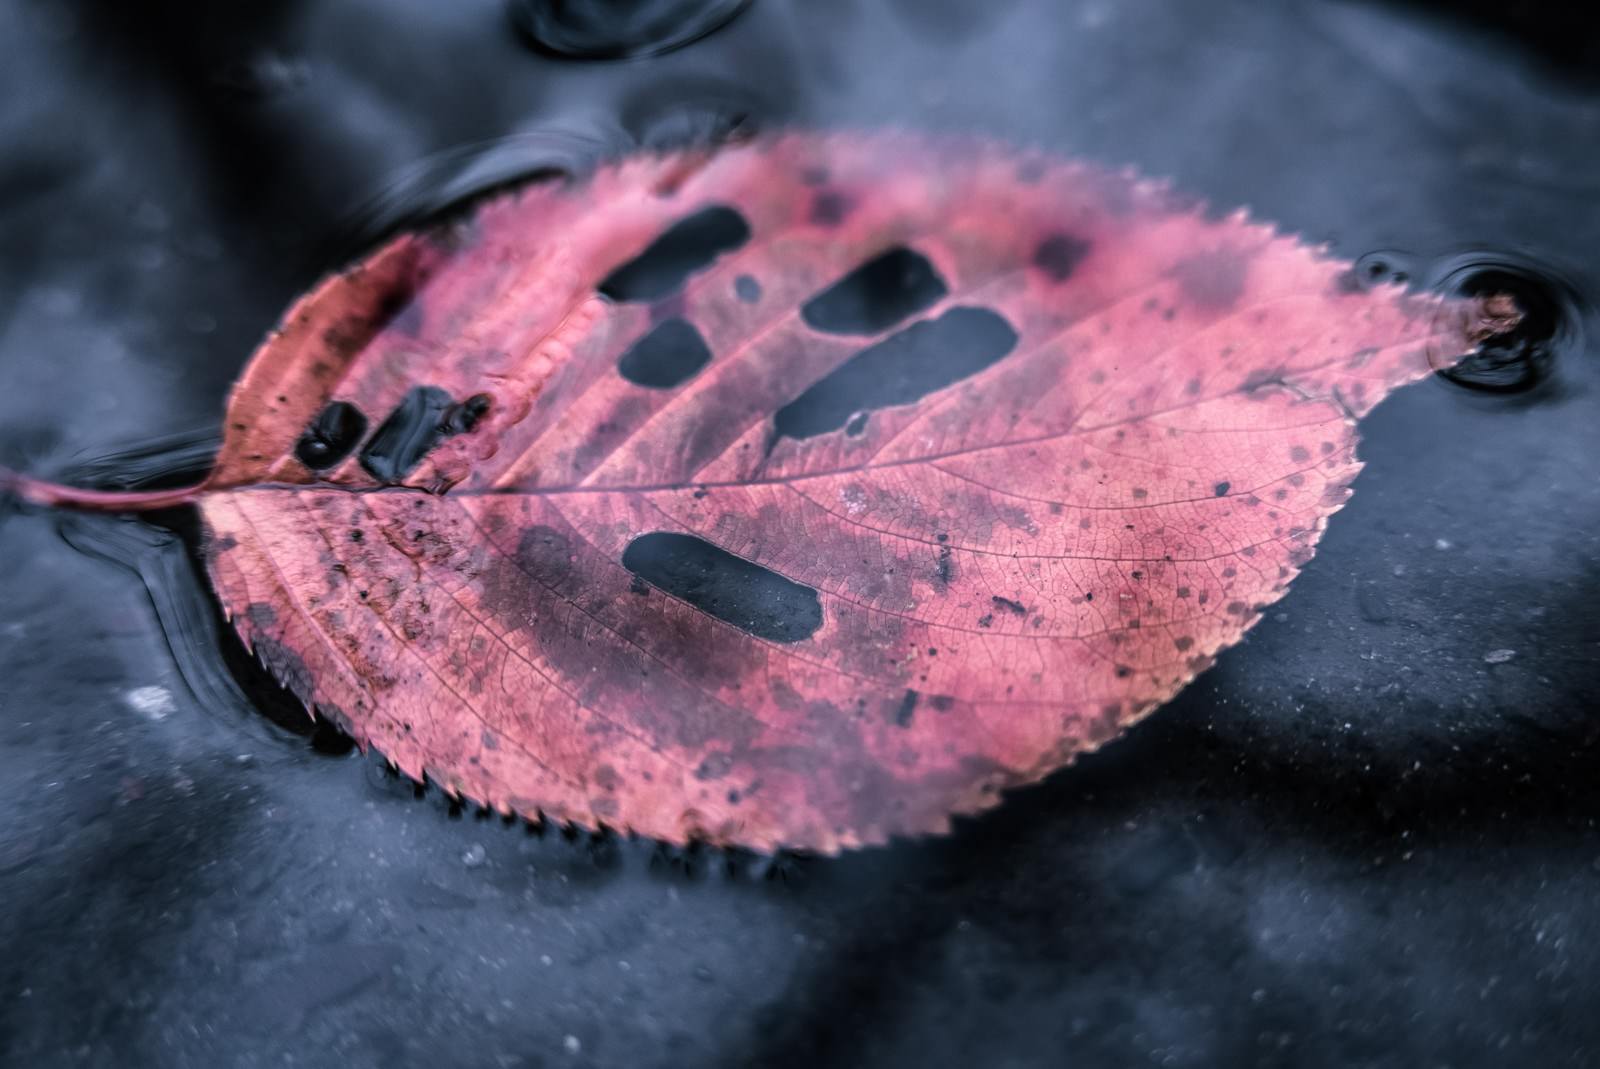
(669, 355)
(1221, 489)
(1299, 454)
(986, 620)
(1123, 671)
(747, 289)
(876, 295)
(1183, 643)
(736, 591)
(906, 709)
(689, 245)
(1010, 606)
(331, 436)
(1058, 256)
(903, 368)
(715, 766)
(829, 208)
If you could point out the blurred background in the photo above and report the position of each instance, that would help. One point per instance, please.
(1367, 837)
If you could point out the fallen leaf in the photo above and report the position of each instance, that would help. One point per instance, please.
(799, 494)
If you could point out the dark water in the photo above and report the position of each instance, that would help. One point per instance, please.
(1367, 837)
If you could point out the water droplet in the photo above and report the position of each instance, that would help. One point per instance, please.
(1526, 355)
(1383, 267)
(618, 29)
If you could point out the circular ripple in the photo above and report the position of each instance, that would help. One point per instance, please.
(1525, 355)
(619, 29)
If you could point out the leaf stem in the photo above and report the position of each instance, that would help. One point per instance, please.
(56, 495)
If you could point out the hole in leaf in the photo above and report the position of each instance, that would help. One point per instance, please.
(415, 426)
(876, 295)
(736, 591)
(331, 436)
(670, 354)
(902, 368)
(689, 245)
(747, 289)
(463, 417)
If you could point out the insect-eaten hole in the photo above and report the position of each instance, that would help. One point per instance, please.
(690, 245)
(876, 295)
(425, 416)
(330, 437)
(669, 355)
(755, 599)
(899, 370)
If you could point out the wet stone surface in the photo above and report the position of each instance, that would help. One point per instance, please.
(1366, 837)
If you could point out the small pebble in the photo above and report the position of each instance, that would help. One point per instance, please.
(572, 1044)
(474, 856)
(1499, 656)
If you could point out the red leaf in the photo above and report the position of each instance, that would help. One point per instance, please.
(799, 495)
